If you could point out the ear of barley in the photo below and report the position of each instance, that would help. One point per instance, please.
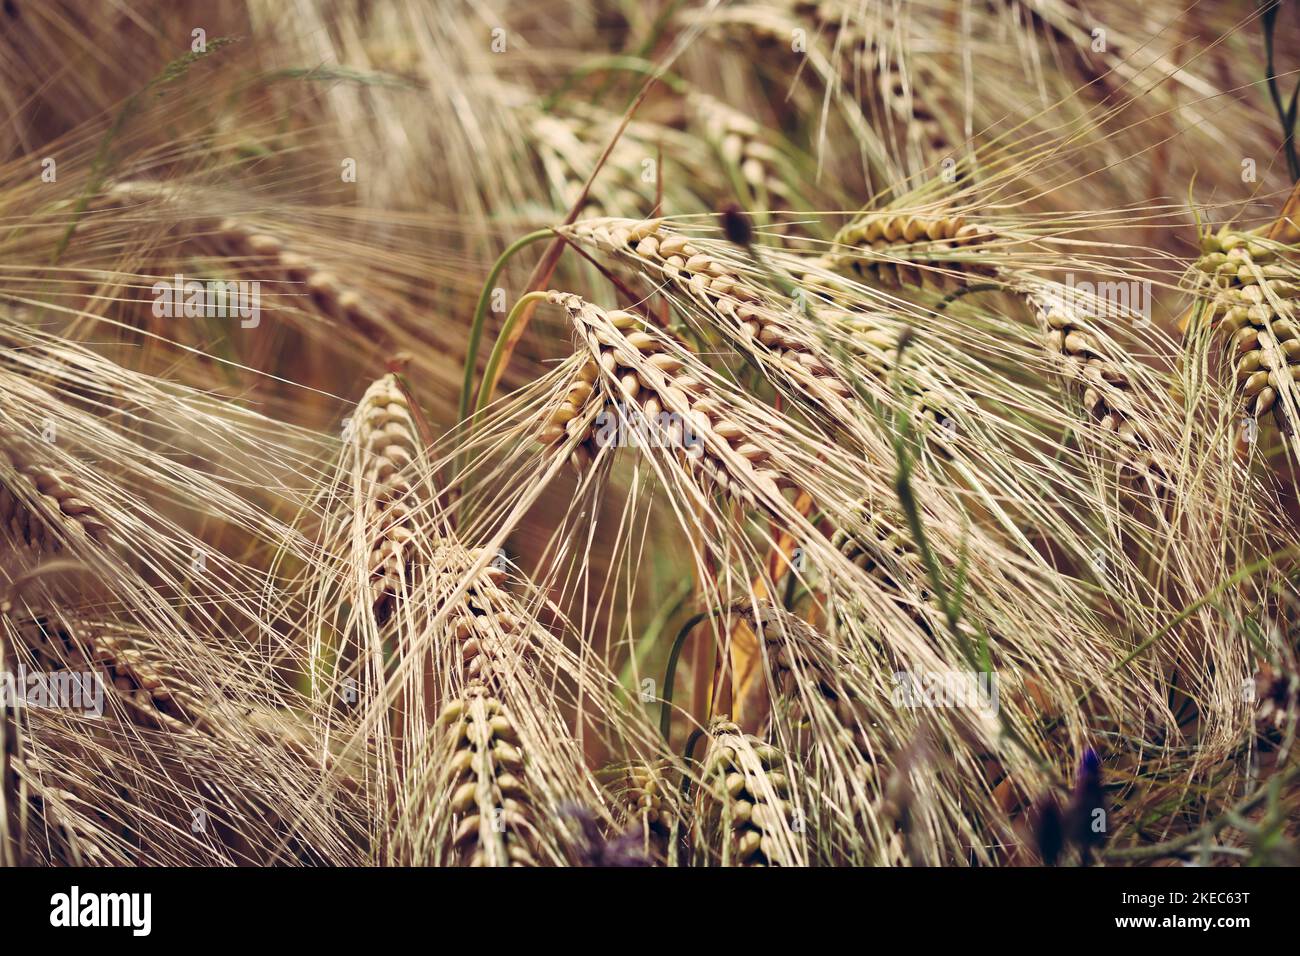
(738, 302)
(261, 253)
(804, 661)
(40, 504)
(875, 344)
(489, 629)
(1254, 291)
(646, 796)
(574, 413)
(569, 147)
(740, 141)
(152, 699)
(392, 489)
(640, 373)
(265, 254)
(846, 54)
(745, 799)
(487, 781)
(1105, 386)
(897, 249)
(1107, 389)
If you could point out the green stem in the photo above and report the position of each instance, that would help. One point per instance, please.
(480, 314)
(609, 64)
(670, 673)
(498, 350)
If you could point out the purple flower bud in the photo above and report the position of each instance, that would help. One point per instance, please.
(593, 848)
(1048, 828)
(1086, 817)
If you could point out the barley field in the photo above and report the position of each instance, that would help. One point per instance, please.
(677, 433)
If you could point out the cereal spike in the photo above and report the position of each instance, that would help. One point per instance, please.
(1104, 386)
(746, 797)
(41, 505)
(486, 778)
(912, 249)
(389, 452)
(631, 375)
(1253, 304)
